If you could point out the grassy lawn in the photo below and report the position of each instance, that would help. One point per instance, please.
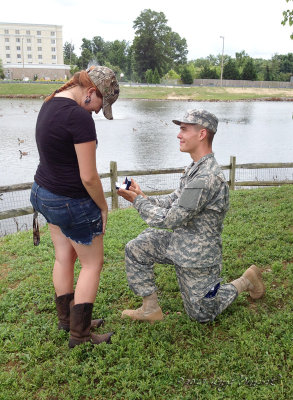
(246, 353)
(159, 93)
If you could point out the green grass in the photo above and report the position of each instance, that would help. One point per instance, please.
(246, 353)
(158, 93)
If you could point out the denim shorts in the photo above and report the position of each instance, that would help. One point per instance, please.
(79, 219)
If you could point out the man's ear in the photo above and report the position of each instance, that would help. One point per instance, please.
(203, 134)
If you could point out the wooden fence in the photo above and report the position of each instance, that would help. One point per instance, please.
(114, 173)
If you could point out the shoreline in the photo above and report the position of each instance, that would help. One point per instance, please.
(37, 96)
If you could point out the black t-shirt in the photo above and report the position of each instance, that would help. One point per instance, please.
(62, 123)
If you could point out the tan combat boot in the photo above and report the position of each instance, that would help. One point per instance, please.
(251, 281)
(150, 310)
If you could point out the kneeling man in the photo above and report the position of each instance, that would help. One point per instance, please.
(190, 222)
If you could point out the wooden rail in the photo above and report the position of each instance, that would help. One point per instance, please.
(114, 173)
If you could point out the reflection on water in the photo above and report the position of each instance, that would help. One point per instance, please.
(142, 135)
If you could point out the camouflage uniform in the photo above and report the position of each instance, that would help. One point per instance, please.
(193, 215)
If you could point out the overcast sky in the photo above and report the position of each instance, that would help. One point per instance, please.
(250, 25)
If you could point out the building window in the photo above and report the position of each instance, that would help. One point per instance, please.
(28, 40)
(39, 49)
(18, 48)
(28, 32)
(7, 47)
(39, 33)
(18, 55)
(52, 33)
(17, 40)
(40, 56)
(17, 31)
(53, 41)
(53, 57)
(6, 39)
(39, 40)
(29, 56)
(7, 55)
(6, 32)
(29, 48)
(53, 49)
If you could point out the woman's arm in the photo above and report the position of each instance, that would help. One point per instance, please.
(86, 156)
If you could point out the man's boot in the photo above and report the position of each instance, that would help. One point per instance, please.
(250, 281)
(80, 325)
(150, 310)
(63, 312)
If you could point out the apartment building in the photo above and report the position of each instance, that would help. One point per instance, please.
(29, 50)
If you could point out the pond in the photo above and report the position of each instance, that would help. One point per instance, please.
(142, 135)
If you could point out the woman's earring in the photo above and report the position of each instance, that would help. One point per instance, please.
(87, 100)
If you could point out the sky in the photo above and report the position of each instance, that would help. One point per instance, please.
(251, 25)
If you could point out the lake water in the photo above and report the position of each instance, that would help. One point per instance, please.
(142, 135)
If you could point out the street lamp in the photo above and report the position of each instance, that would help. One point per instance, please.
(222, 64)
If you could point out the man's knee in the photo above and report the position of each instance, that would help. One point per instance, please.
(202, 310)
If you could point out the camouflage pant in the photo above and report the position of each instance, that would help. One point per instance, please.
(194, 283)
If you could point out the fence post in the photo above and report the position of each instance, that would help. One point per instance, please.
(113, 177)
(232, 172)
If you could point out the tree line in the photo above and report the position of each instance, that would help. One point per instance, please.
(158, 54)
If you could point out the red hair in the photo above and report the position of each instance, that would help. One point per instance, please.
(79, 79)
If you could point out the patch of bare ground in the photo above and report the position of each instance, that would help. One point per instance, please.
(176, 97)
(4, 270)
(260, 91)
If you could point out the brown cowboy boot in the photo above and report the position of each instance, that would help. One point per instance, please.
(150, 310)
(63, 312)
(251, 281)
(80, 325)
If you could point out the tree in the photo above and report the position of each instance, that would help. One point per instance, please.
(118, 53)
(267, 74)
(171, 75)
(186, 75)
(241, 59)
(288, 17)
(230, 70)
(2, 76)
(249, 71)
(149, 75)
(155, 45)
(208, 73)
(70, 58)
(156, 76)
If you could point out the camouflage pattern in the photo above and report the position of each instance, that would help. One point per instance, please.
(193, 215)
(105, 80)
(195, 212)
(199, 117)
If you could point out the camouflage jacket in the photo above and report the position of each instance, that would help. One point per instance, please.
(194, 212)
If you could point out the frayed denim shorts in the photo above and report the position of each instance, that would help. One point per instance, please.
(79, 219)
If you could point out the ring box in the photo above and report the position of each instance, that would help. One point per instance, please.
(125, 185)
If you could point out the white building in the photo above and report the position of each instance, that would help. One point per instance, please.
(29, 50)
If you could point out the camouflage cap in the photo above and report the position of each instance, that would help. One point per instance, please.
(105, 80)
(199, 117)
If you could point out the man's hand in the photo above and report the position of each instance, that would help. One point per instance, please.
(133, 191)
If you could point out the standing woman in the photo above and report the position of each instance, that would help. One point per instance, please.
(68, 192)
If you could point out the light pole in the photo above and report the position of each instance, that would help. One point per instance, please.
(222, 63)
